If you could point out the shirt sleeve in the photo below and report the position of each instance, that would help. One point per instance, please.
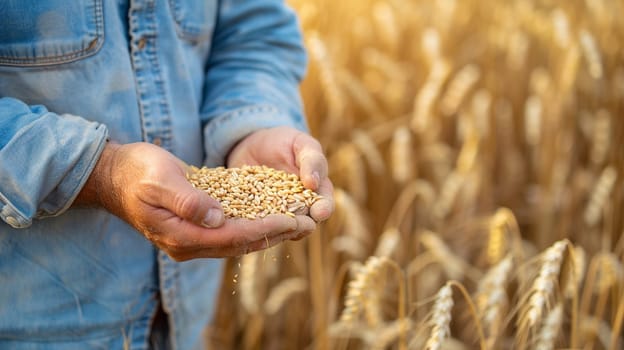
(252, 79)
(45, 160)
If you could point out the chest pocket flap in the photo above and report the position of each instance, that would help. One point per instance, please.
(195, 19)
(35, 32)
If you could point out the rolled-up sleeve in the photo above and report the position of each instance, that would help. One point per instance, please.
(252, 78)
(45, 160)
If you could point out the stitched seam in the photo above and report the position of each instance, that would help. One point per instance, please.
(164, 133)
(70, 56)
(22, 219)
(191, 33)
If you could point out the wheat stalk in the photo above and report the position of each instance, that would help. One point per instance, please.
(388, 242)
(599, 196)
(282, 292)
(458, 88)
(358, 297)
(248, 282)
(453, 265)
(369, 150)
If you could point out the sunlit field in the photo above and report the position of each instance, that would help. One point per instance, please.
(477, 152)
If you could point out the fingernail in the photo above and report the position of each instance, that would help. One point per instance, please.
(317, 179)
(213, 218)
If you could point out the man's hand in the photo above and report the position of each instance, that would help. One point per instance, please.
(146, 186)
(293, 151)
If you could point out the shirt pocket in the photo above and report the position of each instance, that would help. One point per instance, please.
(38, 33)
(195, 19)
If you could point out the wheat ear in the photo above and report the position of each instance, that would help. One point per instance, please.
(549, 331)
(491, 295)
(599, 196)
(543, 290)
(440, 318)
(543, 287)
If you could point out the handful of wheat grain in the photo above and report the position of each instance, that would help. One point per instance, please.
(252, 192)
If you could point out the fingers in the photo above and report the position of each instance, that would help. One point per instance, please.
(313, 172)
(311, 161)
(305, 226)
(189, 203)
(322, 209)
(183, 240)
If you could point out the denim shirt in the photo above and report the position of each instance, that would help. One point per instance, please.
(193, 76)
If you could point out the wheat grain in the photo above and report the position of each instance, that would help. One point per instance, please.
(254, 191)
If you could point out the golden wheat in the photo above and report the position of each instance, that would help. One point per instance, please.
(463, 138)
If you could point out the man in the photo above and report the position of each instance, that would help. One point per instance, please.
(102, 105)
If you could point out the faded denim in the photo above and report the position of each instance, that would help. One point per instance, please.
(193, 76)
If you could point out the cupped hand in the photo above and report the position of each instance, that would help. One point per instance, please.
(146, 186)
(293, 151)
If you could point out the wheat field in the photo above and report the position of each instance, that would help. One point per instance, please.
(476, 148)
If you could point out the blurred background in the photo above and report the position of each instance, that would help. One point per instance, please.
(476, 151)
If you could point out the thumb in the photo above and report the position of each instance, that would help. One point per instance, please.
(310, 160)
(192, 204)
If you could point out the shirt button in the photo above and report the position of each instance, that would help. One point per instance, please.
(157, 141)
(141, 44)
(12, 221)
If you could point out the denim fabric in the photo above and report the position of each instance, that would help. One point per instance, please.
(193, 76)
